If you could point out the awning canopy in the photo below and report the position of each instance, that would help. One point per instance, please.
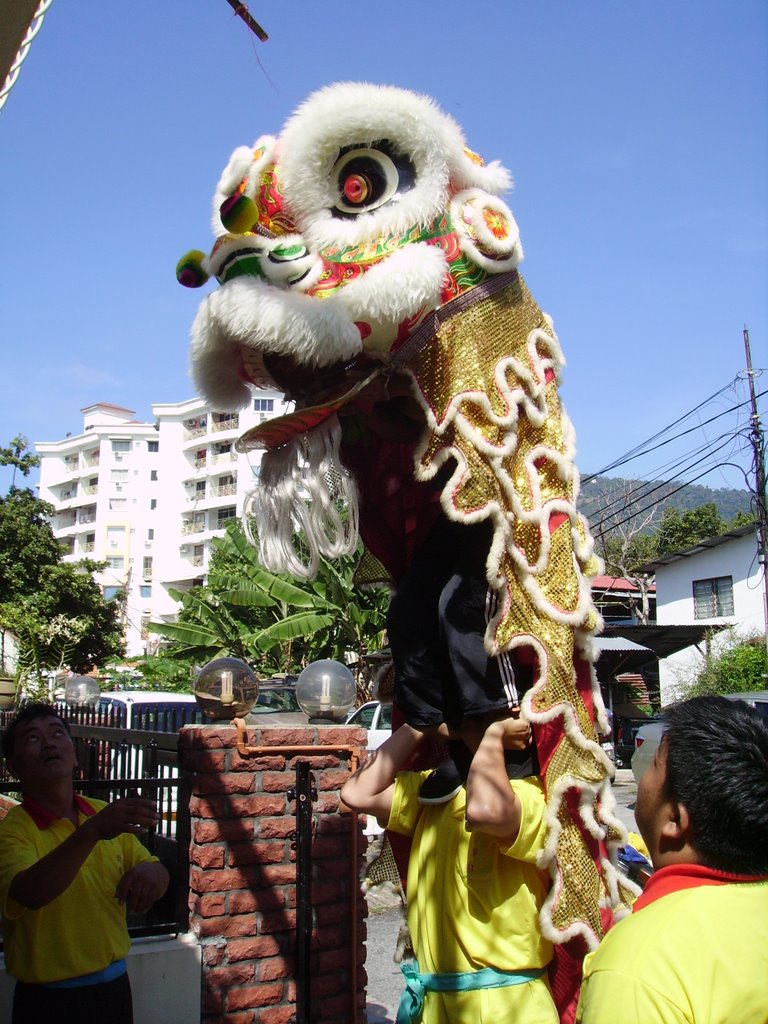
(617, 654)
(661, 640)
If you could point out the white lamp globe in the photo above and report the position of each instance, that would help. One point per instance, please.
(326, 690)
(82, 690)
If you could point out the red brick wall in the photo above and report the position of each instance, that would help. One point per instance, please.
(243, 877)
(6, 803)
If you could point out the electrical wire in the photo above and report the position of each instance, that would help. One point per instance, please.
(606, 523)
(641, 449)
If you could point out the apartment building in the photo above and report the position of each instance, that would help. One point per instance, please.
(148, 498)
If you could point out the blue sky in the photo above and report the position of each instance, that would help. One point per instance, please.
(636, 134)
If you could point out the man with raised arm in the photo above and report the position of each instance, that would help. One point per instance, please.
(69, 868)
(474, 891)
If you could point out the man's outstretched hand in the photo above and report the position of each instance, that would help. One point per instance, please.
(133, 814)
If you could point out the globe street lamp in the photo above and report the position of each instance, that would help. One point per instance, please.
(326, 692)
(226, 688)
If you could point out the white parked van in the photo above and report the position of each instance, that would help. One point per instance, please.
(153, 710)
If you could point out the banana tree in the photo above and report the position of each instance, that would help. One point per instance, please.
(269, 620)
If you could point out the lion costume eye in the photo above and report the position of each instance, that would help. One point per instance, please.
(369, 177)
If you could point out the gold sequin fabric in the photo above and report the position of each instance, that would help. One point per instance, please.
(488, 386)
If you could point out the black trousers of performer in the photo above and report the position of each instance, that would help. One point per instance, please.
(106, 1003)
(436, 623)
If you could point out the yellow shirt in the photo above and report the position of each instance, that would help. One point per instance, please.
(473, 902)
(695, 956)
(84, 929)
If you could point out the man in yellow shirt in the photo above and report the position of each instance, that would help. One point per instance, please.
(695, 949)
(69, 867)
(474, 891)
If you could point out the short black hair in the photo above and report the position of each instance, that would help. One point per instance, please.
(717, 768)
(27, 713)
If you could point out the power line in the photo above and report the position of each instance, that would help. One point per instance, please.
(606, 524)
(644, 488)
(641, 449)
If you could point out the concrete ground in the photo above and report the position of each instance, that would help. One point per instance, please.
(386, 918)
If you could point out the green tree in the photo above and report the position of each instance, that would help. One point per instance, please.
(680, 530)
(17, 454)
(54, 608)
(27, 543)
(739, 666)
(271, 621)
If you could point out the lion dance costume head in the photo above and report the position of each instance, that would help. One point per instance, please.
(366, 260)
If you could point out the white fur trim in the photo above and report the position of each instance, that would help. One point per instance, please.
(249, 312)
(349, 114)
(477, 241)
(398, 287)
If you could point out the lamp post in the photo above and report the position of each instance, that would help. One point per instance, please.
(82, 690)
(226, 688)
(326, 691)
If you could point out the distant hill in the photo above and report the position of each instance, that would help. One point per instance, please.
(599, 493)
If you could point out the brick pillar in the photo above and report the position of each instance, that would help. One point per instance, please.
(243, 876)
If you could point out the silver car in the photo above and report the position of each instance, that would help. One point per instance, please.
(649, 736)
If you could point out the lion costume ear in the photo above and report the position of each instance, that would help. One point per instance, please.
(241, 175)
(471, 171)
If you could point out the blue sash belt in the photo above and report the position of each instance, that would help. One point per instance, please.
(417, 985)
(115, 970)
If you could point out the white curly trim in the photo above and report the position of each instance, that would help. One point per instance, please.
(590, 795)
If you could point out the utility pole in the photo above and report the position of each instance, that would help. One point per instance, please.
(761, 512)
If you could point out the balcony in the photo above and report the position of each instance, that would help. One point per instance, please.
(93, 489)
(91, 459)
(88, 548)
(223, 458)
(188, 528)
(223, 490)
(201, 463)
(197, 426)
(225, 423)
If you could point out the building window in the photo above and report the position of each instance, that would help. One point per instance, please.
(153, 504)
(121, 444)
(145, 590)
(153, 446)
(145, 620)
(115, 504)
(153, 474)
(150, 534)
(110, 593)
(713, 598)
(263, 405)
(226, 513)
(116, 564)
(200, 489)
(116, 536)
(146, 568)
